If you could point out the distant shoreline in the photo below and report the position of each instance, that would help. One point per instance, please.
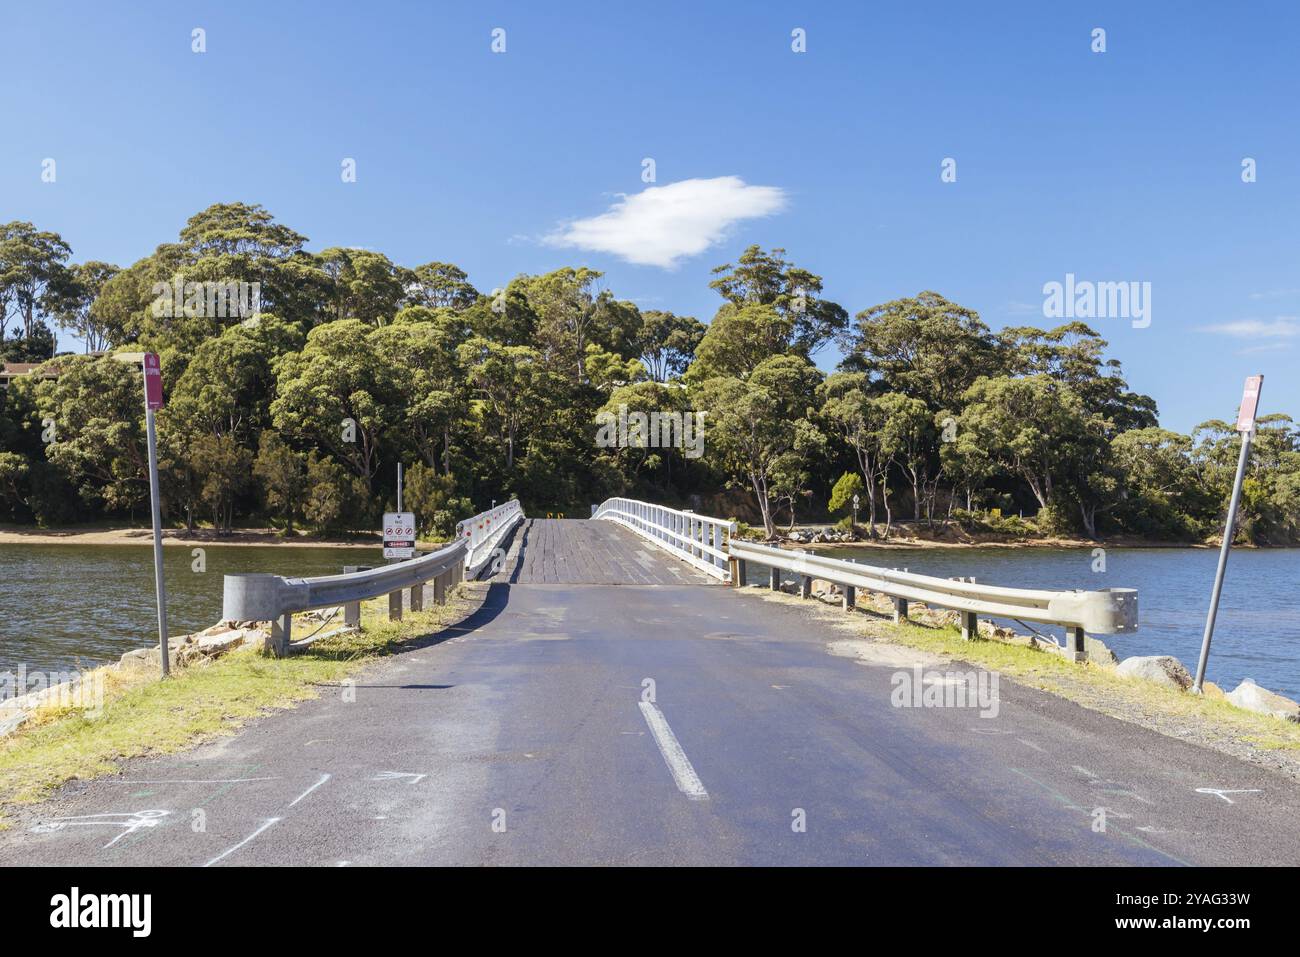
(262, 537)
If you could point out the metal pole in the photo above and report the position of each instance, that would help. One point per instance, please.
(1223, 562)
(159, 585)
(399, 486)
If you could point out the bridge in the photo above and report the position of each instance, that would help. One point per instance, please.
(614, 698)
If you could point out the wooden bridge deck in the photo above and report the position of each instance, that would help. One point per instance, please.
(571, 551)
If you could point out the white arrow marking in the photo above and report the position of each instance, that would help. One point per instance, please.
(397, 775)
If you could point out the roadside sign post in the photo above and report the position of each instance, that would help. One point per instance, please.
(1246, 426)
(153, 400)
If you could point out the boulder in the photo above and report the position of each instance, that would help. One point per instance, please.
(1098, 652)
(1252, 697)
(220, 642)
(1162, 669)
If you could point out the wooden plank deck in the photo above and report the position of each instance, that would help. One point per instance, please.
(569, 551)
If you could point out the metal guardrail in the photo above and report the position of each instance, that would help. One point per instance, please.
(274, 598)
(698, 539)
(485, 531)
(1106, 612)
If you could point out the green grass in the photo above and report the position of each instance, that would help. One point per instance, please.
(145, 716)
(1094, 686)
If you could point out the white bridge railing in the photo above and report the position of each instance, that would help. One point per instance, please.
(485, 531)
(698, 539)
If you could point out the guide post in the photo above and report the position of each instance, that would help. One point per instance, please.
(1246, 426)
(153, 400)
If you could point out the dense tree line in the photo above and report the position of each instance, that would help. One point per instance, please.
(294, 405)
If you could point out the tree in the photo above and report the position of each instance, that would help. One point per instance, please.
(1036, 428)
(365, 285)
(74, 302)
(925, 347)
(430, 384)
(859, 421)
(848, 487)
(222, 466)
(754, 422)
(907, 438)
(337, 394)
(507, 379)
(436, 501)
(32, 272)
(767, 279)
(440, 286)
(98, 436)
(336, 501)
(666, 343)
(282, 475)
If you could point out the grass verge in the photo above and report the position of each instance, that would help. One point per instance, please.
(144, 716)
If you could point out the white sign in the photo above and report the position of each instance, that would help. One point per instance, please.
(399, 534)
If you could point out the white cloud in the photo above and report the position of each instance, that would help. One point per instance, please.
(664, 224)
(1279, 327)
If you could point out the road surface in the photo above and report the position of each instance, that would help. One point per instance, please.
(670, 722)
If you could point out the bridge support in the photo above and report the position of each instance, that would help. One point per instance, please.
(900, 610)
(970, 626)
(850, 597)
(1075, 648)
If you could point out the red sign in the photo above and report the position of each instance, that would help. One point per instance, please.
(153, 396)
(1249, 403)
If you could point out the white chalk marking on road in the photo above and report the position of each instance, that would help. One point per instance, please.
(1224, 792)
(132, 821)
(1030, 744)
(190, 780)
(398, 775)
(1084, 771)
(323, 779)
(226, 853)
(688, 782)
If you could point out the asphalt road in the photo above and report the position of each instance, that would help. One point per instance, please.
(529, 735)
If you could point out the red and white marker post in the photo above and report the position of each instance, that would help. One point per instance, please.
(153, 400)
(1246, 426)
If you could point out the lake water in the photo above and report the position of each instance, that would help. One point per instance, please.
(64, 605)
(1256, 634)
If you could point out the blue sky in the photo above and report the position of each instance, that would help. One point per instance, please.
(1115, 166)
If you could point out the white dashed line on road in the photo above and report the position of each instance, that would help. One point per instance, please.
(688, 782)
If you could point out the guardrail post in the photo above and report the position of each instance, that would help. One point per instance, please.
(805, 586)
(417, 597)
(281, 634)
(352, 610)
(850, 597)
(900, 610)
(1075, 646)
(440, 589)
(970, 626)
(395, 605)
(738, 572)
(775, 578)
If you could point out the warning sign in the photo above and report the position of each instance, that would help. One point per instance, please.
(399, 534)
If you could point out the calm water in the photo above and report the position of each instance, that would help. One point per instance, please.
(63, 605)
(1256, 635)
